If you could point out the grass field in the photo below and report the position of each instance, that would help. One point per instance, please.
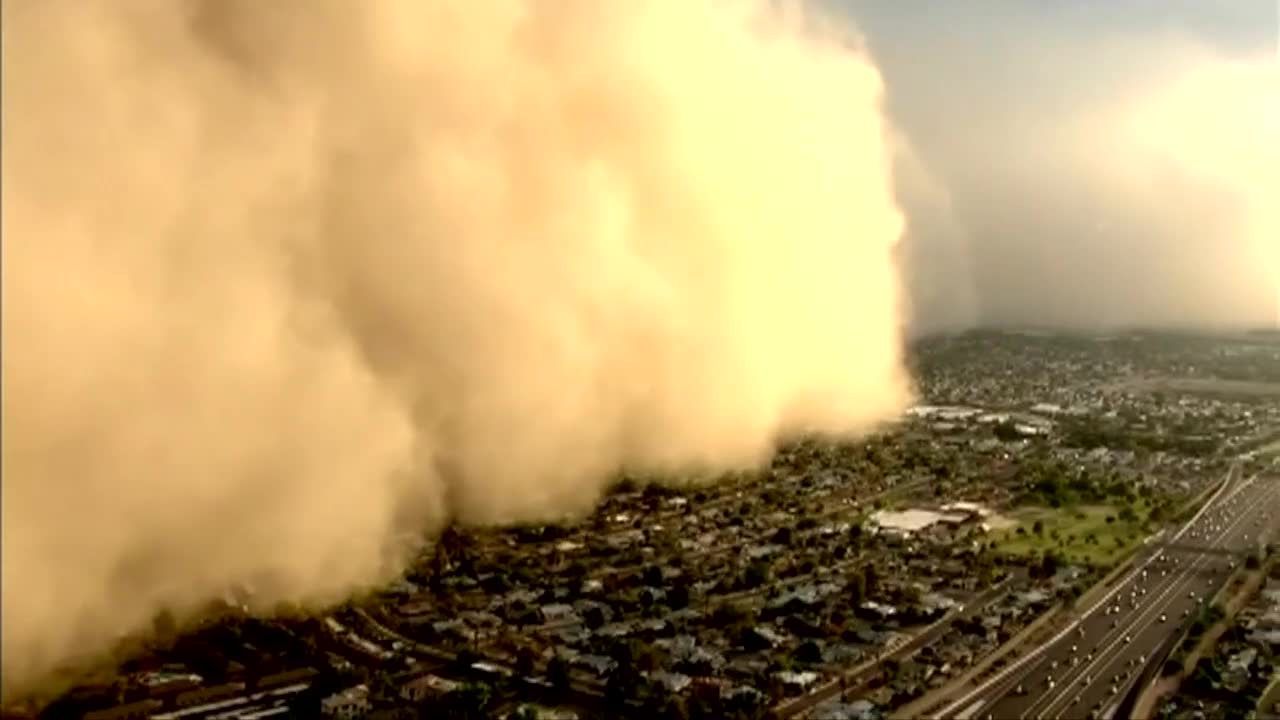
(1081, 533)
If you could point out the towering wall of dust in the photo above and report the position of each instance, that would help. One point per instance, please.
(282, 280)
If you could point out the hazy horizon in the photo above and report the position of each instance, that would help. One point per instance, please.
(1086, 164)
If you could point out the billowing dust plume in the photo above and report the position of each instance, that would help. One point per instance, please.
(282, 280)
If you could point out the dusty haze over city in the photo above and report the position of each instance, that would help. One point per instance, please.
(1086, 164)
(282, 285)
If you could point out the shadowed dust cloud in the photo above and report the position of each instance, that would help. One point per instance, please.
(284, 280)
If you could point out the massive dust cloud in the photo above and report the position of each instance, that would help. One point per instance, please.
(285, 281)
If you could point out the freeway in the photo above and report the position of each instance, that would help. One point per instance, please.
(1086, 669)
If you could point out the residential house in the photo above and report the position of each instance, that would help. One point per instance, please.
(350, 703)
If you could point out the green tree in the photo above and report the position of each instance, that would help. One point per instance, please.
(756, 574)
(558, 673)
(470, 702)
(808, 652)
(1049, 564)
(526, 660)
(856, 588)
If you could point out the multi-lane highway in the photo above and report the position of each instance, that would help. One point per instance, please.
(1087, 668)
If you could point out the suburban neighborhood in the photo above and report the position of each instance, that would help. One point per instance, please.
(842, 581)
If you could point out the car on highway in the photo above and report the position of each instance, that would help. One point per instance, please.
(1163, 617)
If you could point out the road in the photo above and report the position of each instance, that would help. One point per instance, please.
(1086, 669)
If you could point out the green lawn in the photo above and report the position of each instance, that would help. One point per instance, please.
(1074, 527)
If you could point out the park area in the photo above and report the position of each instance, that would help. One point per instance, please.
(1097, 535)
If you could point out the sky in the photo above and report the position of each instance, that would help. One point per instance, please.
(1085, 163)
